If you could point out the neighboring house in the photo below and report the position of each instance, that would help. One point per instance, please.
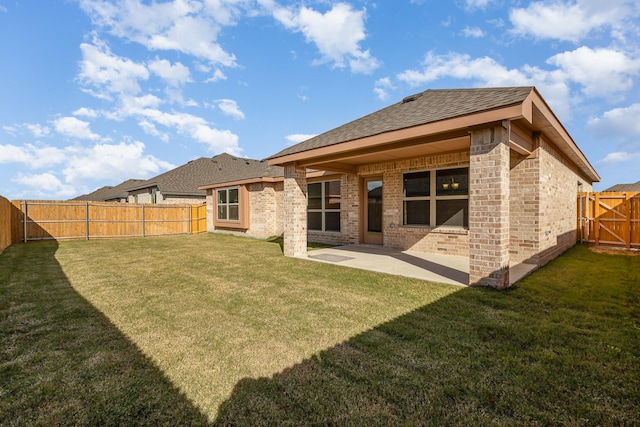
(490, 174)
(108, 193)
(247, 198)
(180, 185)
(625, 187)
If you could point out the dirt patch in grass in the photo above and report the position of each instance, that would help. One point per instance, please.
(614, 251)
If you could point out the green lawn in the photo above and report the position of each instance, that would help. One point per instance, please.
(213, 329)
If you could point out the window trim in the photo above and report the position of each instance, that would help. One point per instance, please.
(243, 208)
(323, 210)
(432, 198)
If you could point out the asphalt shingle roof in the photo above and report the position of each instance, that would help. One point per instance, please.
(625, 187)
(108, 192)
(185, 179)
(430, 106)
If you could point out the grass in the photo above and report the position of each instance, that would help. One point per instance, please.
(212, 329)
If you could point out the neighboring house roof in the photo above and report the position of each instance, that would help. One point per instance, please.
(232, 170)
(436, 121)
(107, 193)
(185, 180)
(625, 187)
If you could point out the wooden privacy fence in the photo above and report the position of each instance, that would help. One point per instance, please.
(609, 219)
(56, 220)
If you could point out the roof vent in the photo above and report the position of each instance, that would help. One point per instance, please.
(411, 97)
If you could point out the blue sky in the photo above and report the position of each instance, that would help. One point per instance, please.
(94, 92)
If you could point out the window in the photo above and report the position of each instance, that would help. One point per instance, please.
(436, 198)
(323, 206)
(154, 196)
(228, 204)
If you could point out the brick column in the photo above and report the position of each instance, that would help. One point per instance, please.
(489, 207)
(295, 210)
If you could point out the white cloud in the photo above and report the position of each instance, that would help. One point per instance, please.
(337, 34)
(473, 32)
(150, 129)
(618, 157)
(175, 75)
(45, 185)
(32, 156)
(187, 26)
(571, 20)
(382, 88)
(110, 161)
(217, 75)
(601, 72)
(196, 127)
(74, 128)
(109, 73)
(619, 123)
(86, 112)
(298, 137)
(80, 165)
(485, 70)
(230, 108)
(38, 130)
(477, 4)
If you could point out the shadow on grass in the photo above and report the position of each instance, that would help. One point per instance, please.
(64, 363)
(560, 349)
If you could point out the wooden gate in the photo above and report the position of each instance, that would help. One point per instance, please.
(609, 219)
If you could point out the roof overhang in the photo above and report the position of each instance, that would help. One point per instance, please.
(451, 135)
(310, 174)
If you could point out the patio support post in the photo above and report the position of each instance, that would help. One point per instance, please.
(295, 210)
(489, 206)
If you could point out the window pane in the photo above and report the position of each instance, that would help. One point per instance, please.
(314, 221)
(233, 195)
(332, 195)
(452, 182)
(374, 206)
(417, 184)
(452, 212)
(416, 212)
(234, 212)
(222, 196)
(332, 221)
(314, 194)
(222, 212)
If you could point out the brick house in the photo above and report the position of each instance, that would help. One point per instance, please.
(490, 174)
(181, 185)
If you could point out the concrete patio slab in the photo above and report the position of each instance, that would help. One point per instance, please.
(432, 267)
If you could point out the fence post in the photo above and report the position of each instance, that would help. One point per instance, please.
(24, 221)
(627, 201)
(86, 211)
(142, 206)
(190, 218)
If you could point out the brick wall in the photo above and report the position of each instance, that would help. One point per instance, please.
(423, 239)
(489, 207)
(524, 208)
(558, 208)
(295, 210)
(266, 211)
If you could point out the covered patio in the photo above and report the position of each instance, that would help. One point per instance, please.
(489, 175)
(452, 269)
